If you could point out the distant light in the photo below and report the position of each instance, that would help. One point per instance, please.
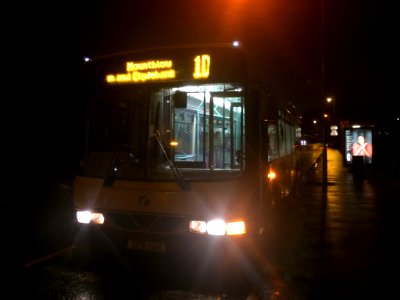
(334, 130)
(235, 44)
(356, 126)
(86, 59)
(271, 175)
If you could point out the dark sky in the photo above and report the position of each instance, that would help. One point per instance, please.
(286, 41)
(283, 40)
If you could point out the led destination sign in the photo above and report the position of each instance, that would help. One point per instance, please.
(158, 70)
(144, 71)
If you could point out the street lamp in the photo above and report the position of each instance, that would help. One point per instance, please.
(330, 101)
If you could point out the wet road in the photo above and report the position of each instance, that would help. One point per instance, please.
(333, 241)
(339, 236)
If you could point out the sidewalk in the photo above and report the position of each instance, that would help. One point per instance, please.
(338, 239)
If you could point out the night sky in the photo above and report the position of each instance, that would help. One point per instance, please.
(283, 40)
(286, 42)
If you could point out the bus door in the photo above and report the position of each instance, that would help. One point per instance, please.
(226, 122)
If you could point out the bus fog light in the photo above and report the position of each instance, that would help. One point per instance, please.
(236, 228)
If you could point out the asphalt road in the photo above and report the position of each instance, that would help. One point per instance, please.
(334, 240)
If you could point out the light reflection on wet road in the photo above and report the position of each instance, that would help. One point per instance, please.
(340, 235)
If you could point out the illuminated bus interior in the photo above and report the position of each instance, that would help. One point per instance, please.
(143, 133)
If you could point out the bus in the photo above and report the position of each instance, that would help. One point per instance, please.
(185, 155)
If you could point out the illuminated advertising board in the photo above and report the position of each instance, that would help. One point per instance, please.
(358, 142)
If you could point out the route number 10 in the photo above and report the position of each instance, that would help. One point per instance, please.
(202, 66)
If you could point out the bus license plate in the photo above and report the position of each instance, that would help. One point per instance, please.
(146, 246)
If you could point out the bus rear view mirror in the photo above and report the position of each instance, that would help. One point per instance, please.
(180, 99)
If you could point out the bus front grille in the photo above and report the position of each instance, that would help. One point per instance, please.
(147, 223)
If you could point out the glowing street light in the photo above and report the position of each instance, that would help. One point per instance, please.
(330, 100)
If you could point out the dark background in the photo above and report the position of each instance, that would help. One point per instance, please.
(288, 43)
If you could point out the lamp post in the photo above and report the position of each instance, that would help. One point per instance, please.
(324, 123)
(324, 152)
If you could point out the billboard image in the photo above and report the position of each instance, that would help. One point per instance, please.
(358, 142)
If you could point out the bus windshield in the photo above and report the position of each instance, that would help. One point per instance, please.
(144, 132)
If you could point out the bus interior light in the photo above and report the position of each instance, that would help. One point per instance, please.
(174, 143)
(271, 175)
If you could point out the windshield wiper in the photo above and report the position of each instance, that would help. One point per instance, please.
(113, 168)
(183, 184)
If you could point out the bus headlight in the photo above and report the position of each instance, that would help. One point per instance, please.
(218, 227)
(87, 216)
